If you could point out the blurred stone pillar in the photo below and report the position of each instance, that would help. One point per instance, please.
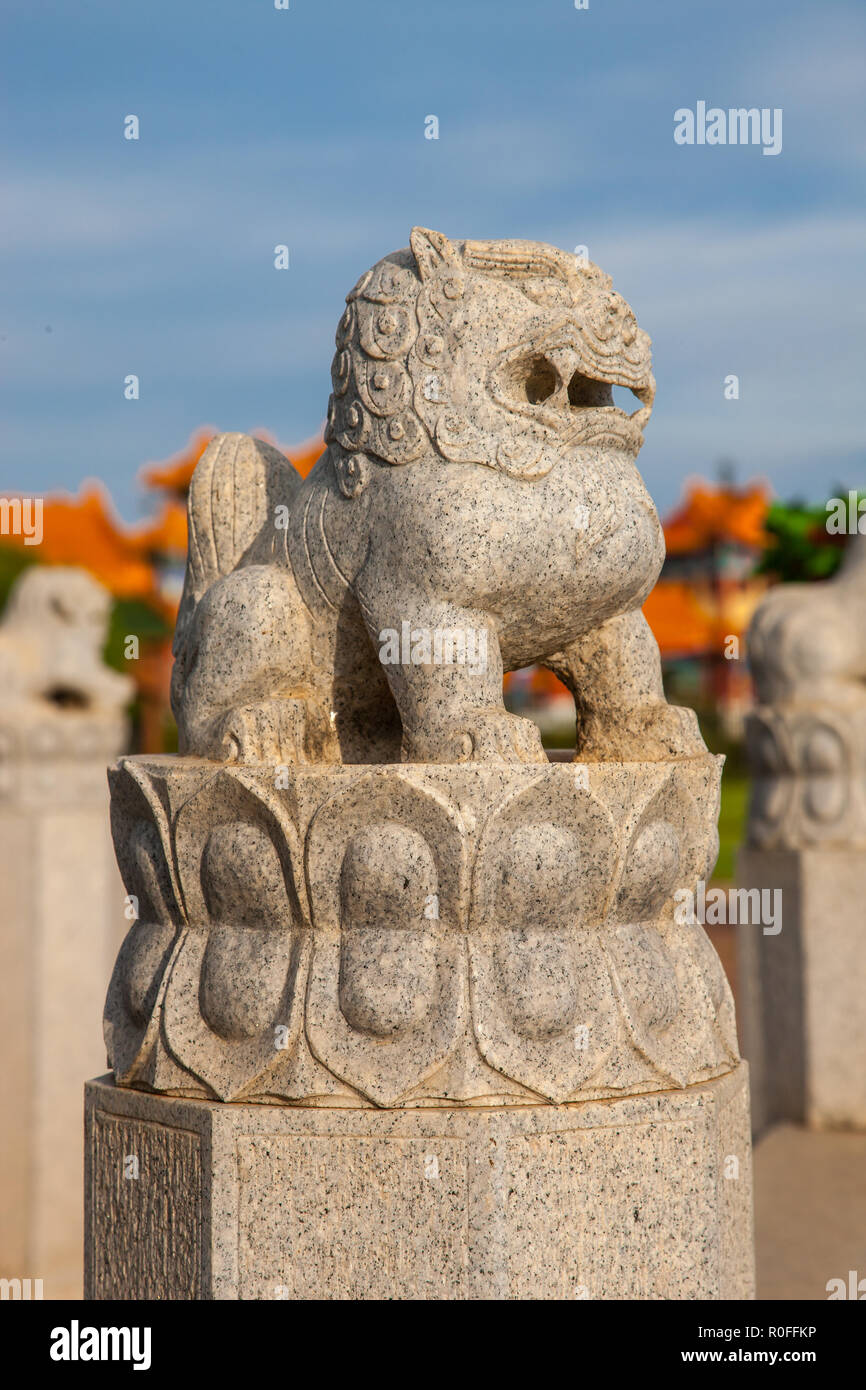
(61, 907)
(802, 1001)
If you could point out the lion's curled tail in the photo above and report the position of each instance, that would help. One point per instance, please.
(237, 484)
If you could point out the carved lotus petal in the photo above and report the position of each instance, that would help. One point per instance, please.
(239, 974)
(386, 868)
(824, 751)
(645, 974)
(539, 979)
(826, 799)
(651, 869)
(388, 955)
(243, 976)
(142, 839)
(387, 979)
(146, 957)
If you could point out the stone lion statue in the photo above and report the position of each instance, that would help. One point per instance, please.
(807, 642)
(52, 634)
(807, 734)
(477, 509)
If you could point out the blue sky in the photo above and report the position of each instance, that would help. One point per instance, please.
(306, 127)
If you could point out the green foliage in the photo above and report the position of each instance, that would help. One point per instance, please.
(735, 792)
(802, 548)
(13, 559)
(732, 821)
(131, 617)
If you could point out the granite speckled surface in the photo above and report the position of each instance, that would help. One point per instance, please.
(477, 508)
(408, 935)
(644, 1198)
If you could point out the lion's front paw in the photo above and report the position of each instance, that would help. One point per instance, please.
(274, 731)
(486, 735)
(646, 733)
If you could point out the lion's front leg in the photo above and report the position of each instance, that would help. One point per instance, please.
(614, 674)
(444, 668)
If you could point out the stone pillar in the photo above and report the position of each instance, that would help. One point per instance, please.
(471, 1052)
(61, 908)
(802, 1002)
(538, 1202)
(470, 1049)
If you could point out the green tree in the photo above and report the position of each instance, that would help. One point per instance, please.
(802, 548)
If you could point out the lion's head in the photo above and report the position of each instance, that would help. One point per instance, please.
(501, 353)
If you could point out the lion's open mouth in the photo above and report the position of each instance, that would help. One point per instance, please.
(581, 408)
(595, 398)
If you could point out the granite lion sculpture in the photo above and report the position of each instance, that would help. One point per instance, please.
(477, 509)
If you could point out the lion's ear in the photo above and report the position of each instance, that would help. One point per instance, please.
(431, 250)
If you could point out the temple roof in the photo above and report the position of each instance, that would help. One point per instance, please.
(710, 516)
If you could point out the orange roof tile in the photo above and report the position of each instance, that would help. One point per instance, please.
(174, 474)
(690, 620)
(681, 624)
(713, 515)
(84, 530)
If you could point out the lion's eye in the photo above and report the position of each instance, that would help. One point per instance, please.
(540, 381)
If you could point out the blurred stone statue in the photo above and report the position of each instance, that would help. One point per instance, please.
(807, 735)
(52, 634)
(802, 1004)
